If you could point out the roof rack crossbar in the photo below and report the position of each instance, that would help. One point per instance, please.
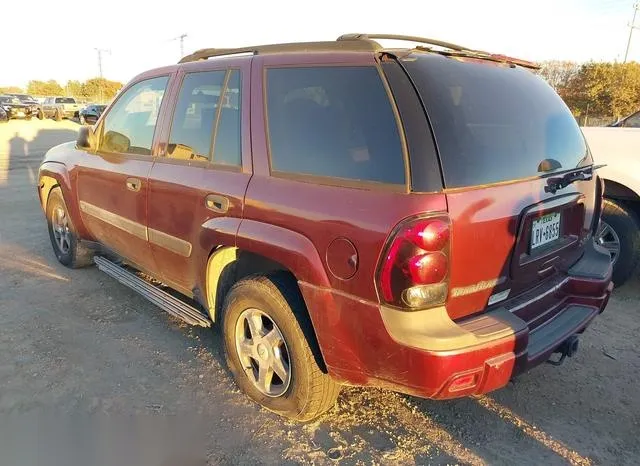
(335, 46)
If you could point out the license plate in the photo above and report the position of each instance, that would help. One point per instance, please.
(545, 230)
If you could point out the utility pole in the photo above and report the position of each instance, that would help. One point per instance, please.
(100, 52)
(181, 38)
(632, 26)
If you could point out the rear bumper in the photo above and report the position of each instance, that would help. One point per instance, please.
(426, 354)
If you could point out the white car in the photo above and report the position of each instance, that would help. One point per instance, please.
(618, 146)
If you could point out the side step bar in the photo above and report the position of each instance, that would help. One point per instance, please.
(160, 298)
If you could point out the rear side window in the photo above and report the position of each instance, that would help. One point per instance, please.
(333, 121)
(495, 123)
(206, 121)
(195, 115)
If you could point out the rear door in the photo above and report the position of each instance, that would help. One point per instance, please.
(112, 183)
(203, 170)
(502, 135)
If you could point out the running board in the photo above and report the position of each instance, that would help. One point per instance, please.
(160, 298)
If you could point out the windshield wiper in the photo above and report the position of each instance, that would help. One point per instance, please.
(560, 182)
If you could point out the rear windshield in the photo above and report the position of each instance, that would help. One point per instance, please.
(495, 123)
(65, 100)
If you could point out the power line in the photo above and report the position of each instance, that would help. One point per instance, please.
(181, 38)
(632, 26)
(100, 52)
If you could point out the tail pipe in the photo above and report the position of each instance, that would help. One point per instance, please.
(569, 347)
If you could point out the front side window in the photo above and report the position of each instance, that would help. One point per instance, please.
(131, 123)
(333, 121)
(206, 121)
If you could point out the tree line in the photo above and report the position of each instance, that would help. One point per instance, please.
(596, 90)
(94, 89)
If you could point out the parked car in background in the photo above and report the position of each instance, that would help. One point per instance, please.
(296, 196)
(36, 108)
(619, 148)
(90, 114)
(14, 108)
(61, 107)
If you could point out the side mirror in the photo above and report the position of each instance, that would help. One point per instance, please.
(116, 142)
(86, 138)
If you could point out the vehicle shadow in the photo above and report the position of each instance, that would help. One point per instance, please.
(22, 149)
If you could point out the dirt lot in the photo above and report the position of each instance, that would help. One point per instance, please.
(76, 345)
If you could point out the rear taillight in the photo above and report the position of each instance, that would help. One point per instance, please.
(415, 266)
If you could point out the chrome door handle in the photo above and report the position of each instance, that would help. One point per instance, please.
(217, 203)
(133, 184)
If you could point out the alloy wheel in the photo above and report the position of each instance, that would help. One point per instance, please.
(61, 230)
(263, 352)
(608, 239)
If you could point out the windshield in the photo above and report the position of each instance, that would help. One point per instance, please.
(65, 100)
(24, 98)
(9, 100)
(495, 123)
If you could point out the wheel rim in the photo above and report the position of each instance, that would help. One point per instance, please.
(61, 231)
(608, 239)
(263, 352)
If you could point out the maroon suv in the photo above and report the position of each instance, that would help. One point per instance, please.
(417, 219)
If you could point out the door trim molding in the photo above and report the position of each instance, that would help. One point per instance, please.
(173, 244)
(136, 229)
(156, 237)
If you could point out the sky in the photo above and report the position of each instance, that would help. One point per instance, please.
(49, 39)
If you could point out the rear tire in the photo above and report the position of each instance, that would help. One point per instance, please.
(626, 227)
(307, 391)
(58, 115)
(41, 114)
(82, 120)
(64, 239)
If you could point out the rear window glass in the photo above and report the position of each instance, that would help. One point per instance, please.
(65, 100)
(495, 123)
(333, 121)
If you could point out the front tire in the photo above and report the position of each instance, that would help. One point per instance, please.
(64, 239)
(41, 114)
(619, 232)
(267, 343)
(58, 115)
(83, 121)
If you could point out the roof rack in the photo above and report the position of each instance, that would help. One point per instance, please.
(357, 42)
(452, 49)
(329, 46)
(421, 40)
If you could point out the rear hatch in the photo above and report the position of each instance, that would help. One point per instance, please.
(504, 136)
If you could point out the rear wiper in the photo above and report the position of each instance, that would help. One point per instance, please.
(560, 182)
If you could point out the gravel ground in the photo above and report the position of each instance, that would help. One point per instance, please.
(82, 355)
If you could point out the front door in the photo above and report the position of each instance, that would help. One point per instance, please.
(112, 184)
(200, 176)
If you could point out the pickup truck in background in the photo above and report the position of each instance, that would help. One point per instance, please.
(61, 107)
(618, 146)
